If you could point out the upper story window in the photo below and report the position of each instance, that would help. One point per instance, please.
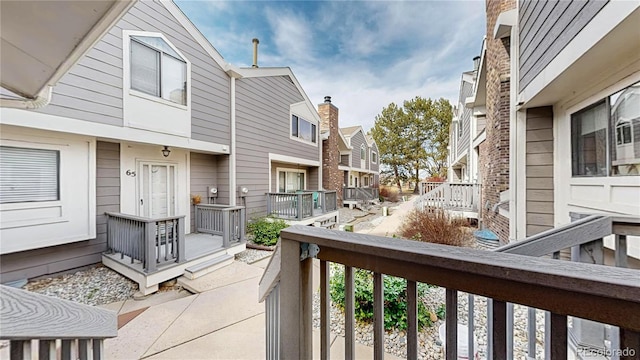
(29, 175)
(303, 129)
(604, 136)
(459, 128)
(157, 69)
(363, 153)
(374, 157)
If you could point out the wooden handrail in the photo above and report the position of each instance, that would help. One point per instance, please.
(141, 218)
(599, 293)
(27, 315)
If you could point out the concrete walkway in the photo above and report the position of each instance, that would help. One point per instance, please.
(390, 225)
(223, 321)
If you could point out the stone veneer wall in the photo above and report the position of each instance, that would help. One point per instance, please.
(332, 177)
(494, 152)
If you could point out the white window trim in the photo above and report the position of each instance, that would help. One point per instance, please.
(126, 70)
(38, 139)
(295, 138)
(282, 169)
(38, 204)
(374, 161)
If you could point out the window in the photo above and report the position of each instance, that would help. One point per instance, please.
(602, 136)
(157, 69)
(362, 152)
(374, 157)
(459, 128)
(290, 181)
(29, 175)
(303, 129)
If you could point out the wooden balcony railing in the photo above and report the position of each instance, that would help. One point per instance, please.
(41, 327)
(448, 196)
(151, 241)
(599, 293)
(226, 221)
(361, 194)
(301, 205)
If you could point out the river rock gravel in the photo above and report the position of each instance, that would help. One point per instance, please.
(97, 285)
(430, 346)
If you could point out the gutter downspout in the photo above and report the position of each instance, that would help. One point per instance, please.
(42, 99)
(232, 156)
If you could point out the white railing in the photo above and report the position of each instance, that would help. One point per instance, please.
(449, 196)
(42, 327)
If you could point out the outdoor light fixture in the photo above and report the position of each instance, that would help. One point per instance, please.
(166, 151)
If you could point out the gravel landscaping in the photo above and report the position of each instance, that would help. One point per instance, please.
(250, 256)
(430, 346)
(97, 285)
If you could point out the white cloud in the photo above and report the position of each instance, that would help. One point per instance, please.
(364, 54)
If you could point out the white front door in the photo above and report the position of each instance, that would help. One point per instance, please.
(157, 189)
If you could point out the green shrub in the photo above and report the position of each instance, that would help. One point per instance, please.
(266, 231)
(395, 298)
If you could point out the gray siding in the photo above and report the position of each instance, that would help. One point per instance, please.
(546, 27)
(223, 179)
(92, 90)
(51, 260)
(466, 89)
(357, 139)
(203, 174)
(344, 160)
(262, 119)
(539, 174)
(375, 166)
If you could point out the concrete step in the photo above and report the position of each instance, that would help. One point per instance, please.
(207, 267)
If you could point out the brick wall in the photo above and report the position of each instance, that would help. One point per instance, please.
(494, 152)
(332, 178)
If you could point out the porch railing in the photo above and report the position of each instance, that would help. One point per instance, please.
(226, 221)
(328, 200)
(152, 242)
(604, 294)
(41, 327)
(427, 186)
(301, 205)
(362, 194)
(446, 196)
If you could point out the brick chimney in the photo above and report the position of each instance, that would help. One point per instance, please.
(332, 178)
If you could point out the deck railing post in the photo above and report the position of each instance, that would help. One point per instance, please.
(588, 334)
(226, 228)
(181, 245)
(150, 246)
(269, 207)
(323, 201)
(299, 206)
(295, 302)
(243, 223)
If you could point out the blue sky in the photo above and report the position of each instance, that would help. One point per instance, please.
(365, 54)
